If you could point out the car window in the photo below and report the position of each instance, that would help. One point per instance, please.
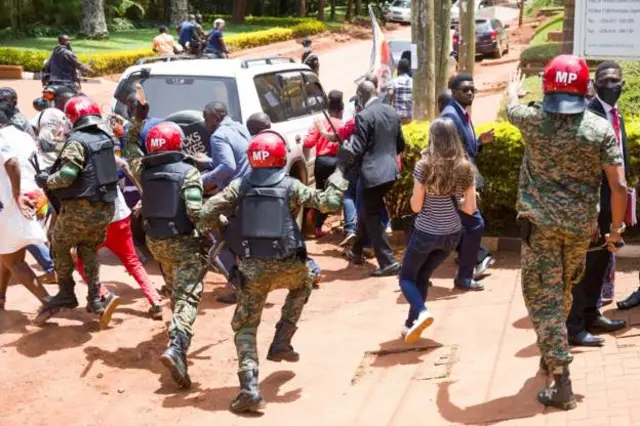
(483, 26)
(316, 98)
(271, 97)
(292, 88)
(403, 4)
(170, 94)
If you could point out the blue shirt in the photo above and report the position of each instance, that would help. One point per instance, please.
(229, 145)
(215, 42)
(187, 30)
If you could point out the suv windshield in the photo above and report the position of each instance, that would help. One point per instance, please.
(169, 94)
(483, 26)
(402, 4)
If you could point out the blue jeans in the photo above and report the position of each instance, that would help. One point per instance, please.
(425, 252)
(471, 238)
(42, 255)
(349, 206)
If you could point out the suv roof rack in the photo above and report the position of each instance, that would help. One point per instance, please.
(165, 58)
(268, 61)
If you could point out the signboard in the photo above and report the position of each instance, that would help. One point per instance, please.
(607, 29)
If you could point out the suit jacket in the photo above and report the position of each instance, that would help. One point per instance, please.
(604, 218)
(376, 143)
(471, 144)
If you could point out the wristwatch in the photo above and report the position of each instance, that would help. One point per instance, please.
(619, 230)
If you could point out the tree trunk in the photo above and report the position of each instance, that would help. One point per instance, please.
(94, 24)
(302, 8)
(321, 10)
(332, 14)
(349, 13)
(239, 11)
(567, 32)
(424, 88)
(521, 12)
(179, 10)
(357, 8)
(467, 50)
(443, 43)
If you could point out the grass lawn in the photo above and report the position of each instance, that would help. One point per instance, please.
(554, 23)
(125, 40)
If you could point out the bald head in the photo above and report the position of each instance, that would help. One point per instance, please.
(213, 115)
(366, 91)
(192, 17)
(258, 122)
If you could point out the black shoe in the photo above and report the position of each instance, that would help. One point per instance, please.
(175, 359)
(249, 398)
(228, 299)
(387, 271)
(630, 302)
(281, 349)
(584, 338)
(354, 258)
(560, 395)
(155, 312)
(65, 299)
(603, 324)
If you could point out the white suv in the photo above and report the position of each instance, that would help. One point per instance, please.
(288, 92)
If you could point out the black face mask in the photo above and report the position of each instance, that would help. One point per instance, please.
(610, 93)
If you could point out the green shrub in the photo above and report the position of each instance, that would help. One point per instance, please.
(536, 5)
(540, 54)
(269, 21)
(117, 62)
(553, 23)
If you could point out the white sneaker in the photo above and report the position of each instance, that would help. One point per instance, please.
(389, 230)
(404, 331)
(425, 319)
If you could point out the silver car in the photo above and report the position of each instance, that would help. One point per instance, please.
(399, 11)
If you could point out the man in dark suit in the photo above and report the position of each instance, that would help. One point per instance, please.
(374, 148)
(585, 317)
(474, 258)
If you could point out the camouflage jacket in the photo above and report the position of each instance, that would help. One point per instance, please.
(562, 166)
(72, 156)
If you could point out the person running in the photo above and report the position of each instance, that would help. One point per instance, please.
(443, 183)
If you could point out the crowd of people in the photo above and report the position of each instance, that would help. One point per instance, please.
(126, 185)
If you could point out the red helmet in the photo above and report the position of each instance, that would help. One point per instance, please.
(267, 150)
(565, 85)
(80, 107)
(165, 136)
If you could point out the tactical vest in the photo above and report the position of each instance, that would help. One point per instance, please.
(99, 178)
(263, 226)
(164, 212)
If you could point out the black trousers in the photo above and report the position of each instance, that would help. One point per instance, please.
(370, 225)
(324, 167)
(584, 309)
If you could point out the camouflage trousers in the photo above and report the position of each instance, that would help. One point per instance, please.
(552, 263)
(259, 278)
(81, 224)
(183, 268)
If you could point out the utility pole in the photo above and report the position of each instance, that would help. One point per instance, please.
(424, 81)
(567, 31)
(467, 50)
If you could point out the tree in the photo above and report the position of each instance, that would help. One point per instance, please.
(349, 12)
(422, 33)
(178, 10)
(94, 23)
(239, 11)
(567, 32)
(302, 8)
(467, 49)
(321, 10)
(121, 9)
(443, 43)
(332, 13)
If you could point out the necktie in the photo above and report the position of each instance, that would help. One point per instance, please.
(615, 123)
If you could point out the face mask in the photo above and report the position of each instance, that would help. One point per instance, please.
(610, 93)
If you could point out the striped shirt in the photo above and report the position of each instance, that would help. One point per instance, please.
(402, 87)
(439, 215)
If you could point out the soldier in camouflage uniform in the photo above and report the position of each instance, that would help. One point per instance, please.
(264, 234)
(84, 179)
(567, 148)
(171, 204)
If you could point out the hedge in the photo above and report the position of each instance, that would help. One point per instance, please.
(117, 62)
(499, 163)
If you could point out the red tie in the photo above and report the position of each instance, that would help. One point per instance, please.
(615, 122)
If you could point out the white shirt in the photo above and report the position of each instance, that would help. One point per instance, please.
(122, 210)
(19, 144)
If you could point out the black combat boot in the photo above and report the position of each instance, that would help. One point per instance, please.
(249, 398)
(560, 395)
(281, 349)
(175, 359)
(65, 299)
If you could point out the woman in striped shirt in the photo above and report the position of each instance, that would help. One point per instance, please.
(443, 183)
